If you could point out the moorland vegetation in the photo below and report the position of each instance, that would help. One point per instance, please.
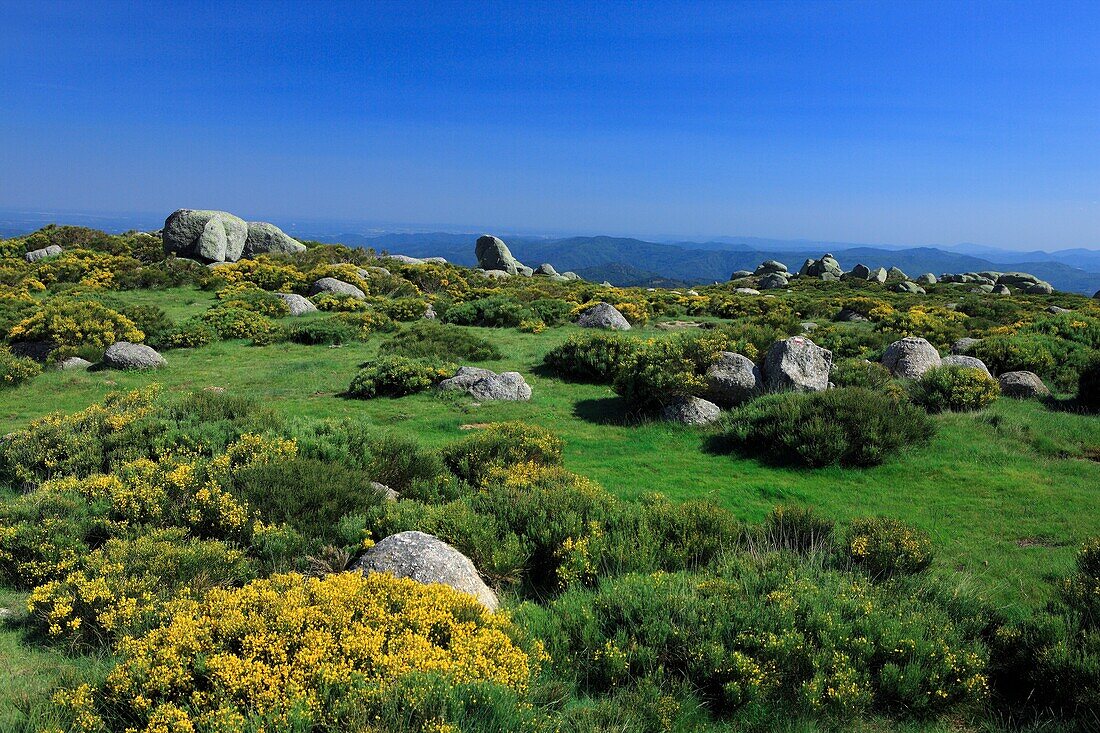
(179, 544)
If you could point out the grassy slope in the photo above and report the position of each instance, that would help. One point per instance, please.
(1005, 508)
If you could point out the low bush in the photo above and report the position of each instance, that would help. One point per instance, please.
(328, 332)
(432, 340)
(367, 322)
(590, 357)
(955, 389)
(499, 445)
(1088, 385)
(404, 309)
(497, 311)
(887, 547)
(191, 334)
(769, 638)
(657, 372)
(847, 426)
(249, 297)
(237, 323)
(860, 373)
(552, 311)
(310, 495)
(16, 370)
(396, 376)
(150, 320)
(797, 529)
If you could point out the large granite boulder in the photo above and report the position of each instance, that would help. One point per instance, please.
(40, 254)
(484, 384)
(733, 379)
(927, 279)
(740, 274)
(493, 254)
(264, 238)
(797, 363)
(827, 268)
(73, 363)
(1039, 288)
(907, 286)
(426, 559)
(603, 315)
(298, 305)
(896, 273)
(970, 362)
(545, 269)
(691, 411)
(910, 357)
(207, 236)
(1022, 385)
(125, 355)
(859, 272)
(878, 275)
(336, 287)
(773, 281)
(1019, 279)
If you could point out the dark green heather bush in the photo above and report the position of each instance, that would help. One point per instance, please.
(590, 357)
(887, 547)
(496, 311)
(429, 339)
(860, 373)
(396, 376)
(327, 331)
(1088, 384)
(847, 426)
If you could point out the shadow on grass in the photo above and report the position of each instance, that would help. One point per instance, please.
(1068, 404)
(608, 411)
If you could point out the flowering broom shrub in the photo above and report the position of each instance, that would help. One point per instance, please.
(15, 370)
(295, 653)
(886, 547)
(501, 445)
(954, 388)
(396, 376)
(590, 357)
(71, 325)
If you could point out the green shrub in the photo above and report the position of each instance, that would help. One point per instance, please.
(847, 426)
(310, 495)
(191, 334)
(658, 371)
(395, 376)
(888, 547)
(401, 463)
(328, 331)
(15, 370)
(552, 311)
(404, 309)
(766, 639)
(590, 357)
(955, 389)
(431, 340)
(500, 445)
(150, 320)
(860, 373)
(1088, 385)
(797, 529)
(367, 322)
(252, 298)
(237, 323)
(497, 311)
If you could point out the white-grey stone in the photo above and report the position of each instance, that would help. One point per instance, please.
(265, 238)
(208, 236)
(298, 304)
(797, 363)
(426, 559)
(125, 355)
(488, 385)
(39, 254)
(910, 357)
(603, 315)
(336, 287)
(691, 411)
(970, 362)
(733, 379)
(1022, 385)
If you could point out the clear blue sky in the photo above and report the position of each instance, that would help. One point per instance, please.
(890, 122)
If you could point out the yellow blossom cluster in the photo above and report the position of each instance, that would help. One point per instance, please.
(280, 652)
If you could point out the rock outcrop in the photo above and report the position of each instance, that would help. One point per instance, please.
(910, 357)
(797, 363)
(264, 238)
(207, 236)
(493, 254)
(733, 379)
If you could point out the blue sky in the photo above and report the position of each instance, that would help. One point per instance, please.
(907, 123)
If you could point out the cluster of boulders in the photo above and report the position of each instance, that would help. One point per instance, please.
(218, 236)
(773, 274)
(1022, 384)
(495, 260)
(796, 363)
(911, 357)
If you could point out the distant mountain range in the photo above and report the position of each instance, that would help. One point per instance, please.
(624, 261)
(637, 262)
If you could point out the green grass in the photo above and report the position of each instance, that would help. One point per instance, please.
(1006, 494)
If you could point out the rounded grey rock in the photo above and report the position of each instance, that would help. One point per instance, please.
(493, 254)
(964, 345)
(691, 411)
(40, 254)
(1022, 385)
(733, 379)
(265, 238)
(969, 362)
(797, 363)
(603, 315)
(125, 355)
(484, 384)
(336, 287)
(209, 236)
(426, 559)
(298, 305)
(910, 357)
